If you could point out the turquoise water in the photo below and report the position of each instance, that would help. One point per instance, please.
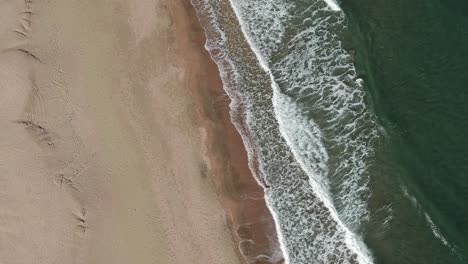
(353, 114)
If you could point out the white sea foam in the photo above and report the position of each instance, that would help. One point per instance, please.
(304, 140)
(303, 226)
(438, 234)
(431, 224)
(412, 199)
(436, 231)
(264, 14)
(333, 5)
(317, 181)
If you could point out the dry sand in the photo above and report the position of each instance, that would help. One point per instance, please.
(100, 158)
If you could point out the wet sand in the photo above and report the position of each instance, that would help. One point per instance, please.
(250, 221)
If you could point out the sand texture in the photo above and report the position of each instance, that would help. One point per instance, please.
(101, 154)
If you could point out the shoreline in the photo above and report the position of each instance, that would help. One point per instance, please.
(251, 223)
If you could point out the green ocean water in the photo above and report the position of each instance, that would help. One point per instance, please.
(413, 56)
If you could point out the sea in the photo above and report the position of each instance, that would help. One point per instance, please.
(354, 115)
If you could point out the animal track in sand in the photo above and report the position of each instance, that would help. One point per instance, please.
(25, 28)
(81, 218)
(63, 181)
(29, 54)
(39, 133)
(26, 20)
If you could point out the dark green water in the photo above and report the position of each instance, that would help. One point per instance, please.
(413, 55)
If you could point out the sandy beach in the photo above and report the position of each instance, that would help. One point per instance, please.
(116, 144)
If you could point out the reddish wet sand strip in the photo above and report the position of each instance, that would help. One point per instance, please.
(250, 220)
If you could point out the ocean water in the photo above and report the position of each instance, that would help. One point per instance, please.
(330, 100)
(413, 56)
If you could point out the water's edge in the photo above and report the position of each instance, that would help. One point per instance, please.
(237, 119)
(295, 188)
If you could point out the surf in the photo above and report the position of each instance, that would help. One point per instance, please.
(292, 149)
